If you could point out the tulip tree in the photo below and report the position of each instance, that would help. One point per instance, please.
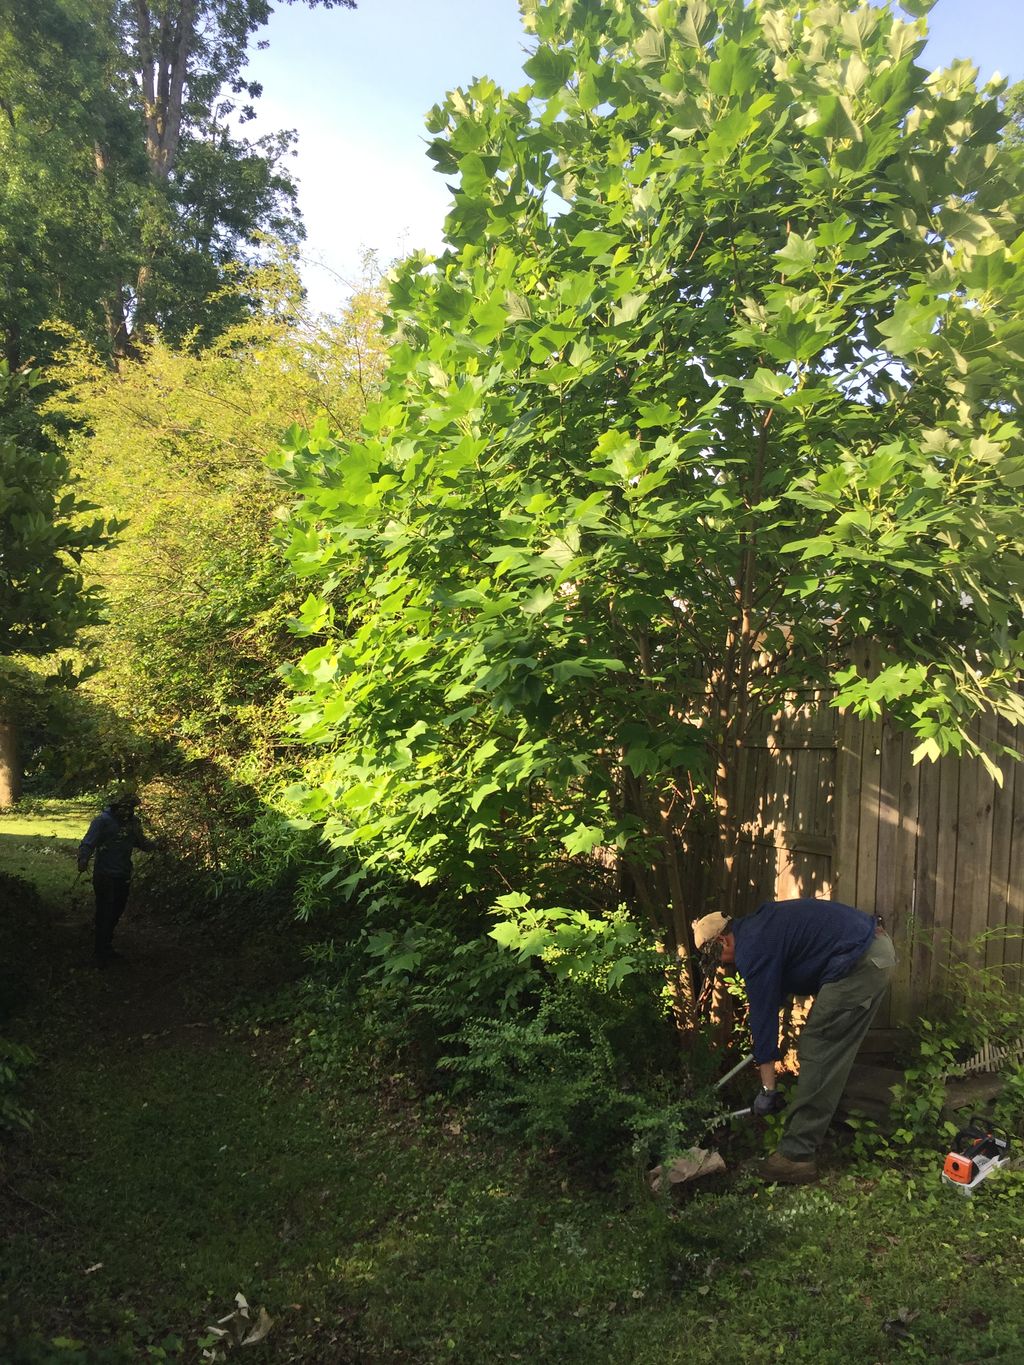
(719, 373)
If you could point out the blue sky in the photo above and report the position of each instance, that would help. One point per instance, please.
(356, 85)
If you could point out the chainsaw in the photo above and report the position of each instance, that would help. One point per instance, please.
(978, 1150)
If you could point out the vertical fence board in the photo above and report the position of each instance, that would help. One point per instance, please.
(805, 765)
(904, 882)
(870, 815)
(945, 869)
(830, 806)
(849, 760)
(823, 823)
(998, 945)
(974, 844)
(926, 923)
(886, 842)
(1014, 950)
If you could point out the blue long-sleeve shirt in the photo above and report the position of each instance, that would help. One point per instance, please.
(794, 948)
(113, 841)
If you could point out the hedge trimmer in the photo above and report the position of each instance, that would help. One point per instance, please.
(743, 1062)
(697, 1162)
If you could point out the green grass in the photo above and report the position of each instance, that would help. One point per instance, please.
(38, 842)
(373, 1231)
(50, 818)
(191, 1145)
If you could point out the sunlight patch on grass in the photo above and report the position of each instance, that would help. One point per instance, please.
(38, 843)
(56, 818)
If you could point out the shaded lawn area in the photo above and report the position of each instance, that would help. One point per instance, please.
(40, 843)
(191, 1144)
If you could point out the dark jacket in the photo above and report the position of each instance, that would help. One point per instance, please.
(794, 948)
(113, 840)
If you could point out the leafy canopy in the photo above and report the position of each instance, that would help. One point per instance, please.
(173, 444)
(45, 529)
(719, 374)
(129, 189)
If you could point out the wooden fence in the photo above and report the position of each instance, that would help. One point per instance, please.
(830, 806)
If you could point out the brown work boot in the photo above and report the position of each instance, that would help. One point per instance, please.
(782, 1170)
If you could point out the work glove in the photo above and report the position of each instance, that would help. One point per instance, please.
(767, 1102)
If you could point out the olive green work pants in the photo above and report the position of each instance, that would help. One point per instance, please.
(836, 1026)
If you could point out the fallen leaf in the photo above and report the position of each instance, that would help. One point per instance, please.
(264, 1322)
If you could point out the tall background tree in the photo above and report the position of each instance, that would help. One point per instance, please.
(131, 203)
(130, 188)
(719, 374)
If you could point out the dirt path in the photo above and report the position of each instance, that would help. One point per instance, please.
(176, 972)
(149, 1079)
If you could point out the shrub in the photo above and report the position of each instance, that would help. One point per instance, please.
(583, 1070)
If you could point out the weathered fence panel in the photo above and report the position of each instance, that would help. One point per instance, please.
(831, 806)
(783, 821)
(950, 865)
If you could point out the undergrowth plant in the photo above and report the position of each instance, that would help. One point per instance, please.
(918, 1100)
(975, 1005)
(549, 1076)
(424, 984)
(15, 1061)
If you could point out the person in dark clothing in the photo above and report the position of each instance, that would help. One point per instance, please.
(113, 836)
(836, 953)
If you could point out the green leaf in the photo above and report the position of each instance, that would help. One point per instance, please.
(517, 307)
(734, 70)
(640, 760)
(583, 839)
(929, 749)
(549, 70)
(835, 233)
(834, 119)
(650, 48)
(696, 23)
(911, 328)
(481, 794)
(512, 900)
(506, 934)
(628, 309)
(619, 970)
(797, 256)
(766, 387)
(595, 243)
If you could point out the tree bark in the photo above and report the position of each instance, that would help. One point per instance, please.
(164, 67)
(10, 765)
(734, 685)
(114, 311)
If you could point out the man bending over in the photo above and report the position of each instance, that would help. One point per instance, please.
(836, 953)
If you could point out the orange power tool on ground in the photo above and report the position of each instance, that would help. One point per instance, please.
(978, 1150)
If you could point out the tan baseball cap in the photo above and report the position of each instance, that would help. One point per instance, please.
(708, 928)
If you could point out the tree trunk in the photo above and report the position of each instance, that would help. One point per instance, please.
(732, 690)
(164, 57)
(10, 765)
